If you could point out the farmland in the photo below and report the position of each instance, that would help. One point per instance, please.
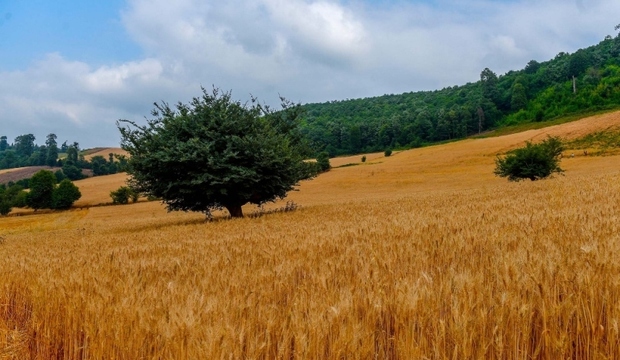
(424, 254)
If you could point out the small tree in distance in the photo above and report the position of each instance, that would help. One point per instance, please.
(534, 161)
(123, 194)
(65, 195)
(215, 153)
(42, 185)
(323, 161)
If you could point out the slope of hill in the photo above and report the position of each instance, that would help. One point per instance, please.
(539, 92)
(105, 152)
(457, 165)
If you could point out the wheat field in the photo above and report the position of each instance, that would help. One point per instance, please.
(422, 255)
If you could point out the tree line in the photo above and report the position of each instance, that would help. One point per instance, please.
(585, 81)
(25, 152)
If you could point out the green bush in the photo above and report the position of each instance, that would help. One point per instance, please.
(72, 172)
(388, 152)
(123, 194)
(534, 161)
(65, 195)
(42, 185)
(323, 161)
(364, 158)
(5, 205)
(60, 176)
(20, 199)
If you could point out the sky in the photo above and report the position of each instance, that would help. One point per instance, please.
(73, 68)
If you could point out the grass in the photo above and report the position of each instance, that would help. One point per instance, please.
(424, 255)
(598, 143)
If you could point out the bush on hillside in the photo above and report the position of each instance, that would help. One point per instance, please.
(72, 172)
(388, 152)
(123, 194)
(323, 161)
(534, 161)
(42, 185)
(65, 195)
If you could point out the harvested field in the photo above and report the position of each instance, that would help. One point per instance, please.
(105, 152)
(16, 174)
(422, 255)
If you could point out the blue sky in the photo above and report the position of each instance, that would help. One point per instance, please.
(74, 67)
(89, 31)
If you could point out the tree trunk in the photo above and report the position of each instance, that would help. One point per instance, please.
(235, 211)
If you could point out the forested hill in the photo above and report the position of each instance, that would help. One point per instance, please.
(539, 92)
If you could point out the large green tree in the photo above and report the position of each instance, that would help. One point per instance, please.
(3, 143)
(215, 153)
(52, 150)
(24, 145)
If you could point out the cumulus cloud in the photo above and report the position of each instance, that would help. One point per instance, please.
(306, 50)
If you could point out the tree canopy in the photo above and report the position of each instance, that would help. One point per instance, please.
(215, 153)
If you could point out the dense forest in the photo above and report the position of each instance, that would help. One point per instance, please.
(585, 81)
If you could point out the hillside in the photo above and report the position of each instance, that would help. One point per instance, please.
(105, 152)
(465, 164)
(539, 92)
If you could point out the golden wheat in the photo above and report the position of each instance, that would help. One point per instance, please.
(424, 255)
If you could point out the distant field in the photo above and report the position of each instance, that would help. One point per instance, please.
(15, 174)
(105, 152)
(424, 254)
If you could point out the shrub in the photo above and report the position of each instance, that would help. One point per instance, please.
(65, 195)
(323, 161)
(123, 194)
(5, 205)
(20, 199)
(388, 152)
(60, 176)
(42, 185)
(364, 158)
(72, 172)
(534, 161)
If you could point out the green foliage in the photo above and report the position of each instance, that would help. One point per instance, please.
(60, 176)
(323, 161)
(214, 152)
(5, 206)
(534, 161)
(65, 195)
(52, 150)
(72, 172)
(542, 91)
(387, 152)
(601, 142)
(364, 158)
(19, 200)
(42, 186)
(123, 194)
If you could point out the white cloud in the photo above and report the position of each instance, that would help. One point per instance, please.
(306, 50)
